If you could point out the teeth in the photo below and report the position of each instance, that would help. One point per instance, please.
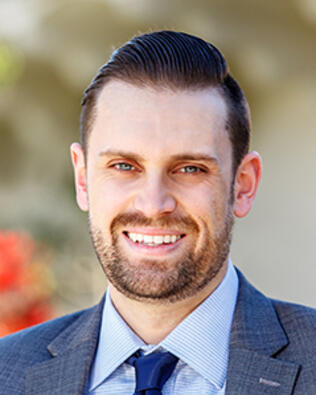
(148, 239)
(139, 238)
(153, 240)
(133, 236)
(158, 239)
(167, 239)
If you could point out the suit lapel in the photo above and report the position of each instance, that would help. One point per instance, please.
(64, 374)
(252, 373)
(256, 339)
(71, 354)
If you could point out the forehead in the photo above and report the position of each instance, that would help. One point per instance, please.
(159, 122)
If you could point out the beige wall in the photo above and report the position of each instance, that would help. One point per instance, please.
(53, 49)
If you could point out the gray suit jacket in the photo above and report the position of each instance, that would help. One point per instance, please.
(272, 351)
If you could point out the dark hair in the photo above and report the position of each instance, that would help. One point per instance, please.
(177, 61)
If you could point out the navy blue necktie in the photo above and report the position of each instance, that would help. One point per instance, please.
(152, 371)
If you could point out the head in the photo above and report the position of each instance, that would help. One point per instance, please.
(164, 166)
(177, 61)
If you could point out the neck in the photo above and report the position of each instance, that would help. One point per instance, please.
(152, 322)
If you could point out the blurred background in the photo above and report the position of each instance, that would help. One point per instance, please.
(49, 52)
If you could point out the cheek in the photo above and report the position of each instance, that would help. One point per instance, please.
(207, 204)
(198, 200)
(107, 199)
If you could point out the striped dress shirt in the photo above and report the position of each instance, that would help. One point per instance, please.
(200, 341)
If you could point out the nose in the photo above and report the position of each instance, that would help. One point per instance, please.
(154, 198)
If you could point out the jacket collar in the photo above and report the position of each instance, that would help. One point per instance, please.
(73, 352)
(256, 338)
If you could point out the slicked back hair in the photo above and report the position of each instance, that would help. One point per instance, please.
(178, 61)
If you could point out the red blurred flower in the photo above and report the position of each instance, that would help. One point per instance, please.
(16, 251)
(26, 283)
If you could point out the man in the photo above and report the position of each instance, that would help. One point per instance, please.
(163, 168)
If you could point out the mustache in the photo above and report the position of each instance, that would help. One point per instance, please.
(175, 222)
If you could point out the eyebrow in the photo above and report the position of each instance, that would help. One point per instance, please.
(124, 154)
(178, 157)
(196, 157)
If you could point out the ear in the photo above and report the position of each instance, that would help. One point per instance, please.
(78, 162)
(246, 183)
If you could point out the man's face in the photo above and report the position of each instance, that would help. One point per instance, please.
(159, 190)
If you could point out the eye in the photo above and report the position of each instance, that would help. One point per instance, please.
(190, 169)
(123, 166)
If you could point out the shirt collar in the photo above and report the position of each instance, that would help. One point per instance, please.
(201, 340)
(117, 342)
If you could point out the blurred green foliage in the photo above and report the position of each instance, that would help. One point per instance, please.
(11, 65)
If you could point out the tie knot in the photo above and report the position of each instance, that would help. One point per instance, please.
(152, 371)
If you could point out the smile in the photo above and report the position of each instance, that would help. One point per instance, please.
(153, 240)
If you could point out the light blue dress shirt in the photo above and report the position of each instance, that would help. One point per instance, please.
(200, 341)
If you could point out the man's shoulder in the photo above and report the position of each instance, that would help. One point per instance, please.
(38, 334)
(289, 309)
(289, 313)
(298, 321)
(31, 344)
(32, 351)
(37, 344)
(266, 320)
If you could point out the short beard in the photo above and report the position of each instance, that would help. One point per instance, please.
(154, 281)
